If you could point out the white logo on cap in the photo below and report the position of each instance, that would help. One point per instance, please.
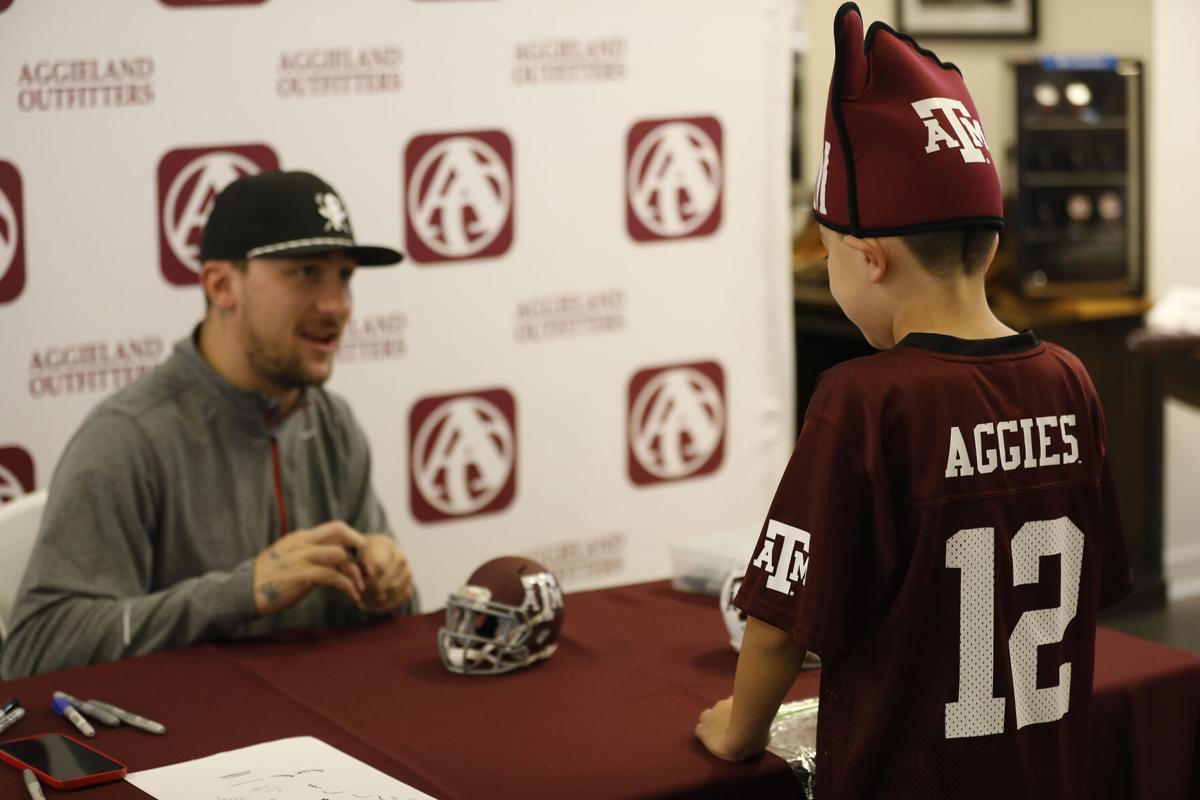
(329, 206)
(968, 132)
(185, 215)
(9, 235)
(467, 199)
(676, 423)
(674, 179)
(463, 455)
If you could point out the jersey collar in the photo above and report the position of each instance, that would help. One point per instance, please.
(954, 346)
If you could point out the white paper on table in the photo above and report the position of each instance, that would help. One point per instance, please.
(300, 768)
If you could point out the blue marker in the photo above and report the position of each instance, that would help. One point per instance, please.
(98, 714)
(65, 709)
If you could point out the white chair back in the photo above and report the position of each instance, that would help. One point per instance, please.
(19, 523)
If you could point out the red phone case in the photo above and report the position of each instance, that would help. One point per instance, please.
(74, 783)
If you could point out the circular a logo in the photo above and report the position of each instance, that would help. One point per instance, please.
(463, 455)
(10, 234)
(677, 423)
(190, 197)
(10, 486)
(674, 179)
(460, 196)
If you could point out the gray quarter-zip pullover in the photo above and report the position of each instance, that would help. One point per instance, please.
(159, 505)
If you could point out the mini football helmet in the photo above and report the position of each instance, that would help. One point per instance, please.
(735, 618)
(507, 616)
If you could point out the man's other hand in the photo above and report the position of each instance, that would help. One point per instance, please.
(321, 556)
(388, 578)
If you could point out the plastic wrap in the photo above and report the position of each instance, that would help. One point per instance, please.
(794, 739)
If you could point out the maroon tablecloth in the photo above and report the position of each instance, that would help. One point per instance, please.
(609, 716)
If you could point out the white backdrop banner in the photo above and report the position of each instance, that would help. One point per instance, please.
(588, 352)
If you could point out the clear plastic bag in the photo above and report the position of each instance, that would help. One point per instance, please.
(794, 739)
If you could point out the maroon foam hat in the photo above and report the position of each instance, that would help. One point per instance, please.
(904, 149)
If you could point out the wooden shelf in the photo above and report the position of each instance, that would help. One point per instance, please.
(1110, 122)
(1083, 179)
(1020, 312)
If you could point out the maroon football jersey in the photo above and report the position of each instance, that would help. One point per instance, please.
(943, 537)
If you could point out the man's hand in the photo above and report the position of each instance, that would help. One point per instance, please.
(289, 569)
(388, 578)
(713, 728)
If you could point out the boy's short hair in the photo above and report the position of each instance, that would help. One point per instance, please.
(953, 251)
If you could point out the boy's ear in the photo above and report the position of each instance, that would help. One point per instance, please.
(873, 254)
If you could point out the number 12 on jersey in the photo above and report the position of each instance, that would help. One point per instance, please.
(973, 552)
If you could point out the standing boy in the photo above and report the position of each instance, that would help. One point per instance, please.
(946, 530)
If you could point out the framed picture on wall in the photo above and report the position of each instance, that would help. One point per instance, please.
(968, 19)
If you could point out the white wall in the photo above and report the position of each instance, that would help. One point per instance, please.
(1173, 177)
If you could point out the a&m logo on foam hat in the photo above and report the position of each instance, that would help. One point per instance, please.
(674, 178)
(459, 196)
(463, 454)
(12, 234)
(188, 181)
(676, 422)
(16, 473)
(904, 149)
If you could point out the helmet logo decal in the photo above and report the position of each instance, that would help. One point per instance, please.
(542, 595)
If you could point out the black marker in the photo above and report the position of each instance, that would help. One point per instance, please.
(9, 705)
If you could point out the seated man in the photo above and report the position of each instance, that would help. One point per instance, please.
(226, 493)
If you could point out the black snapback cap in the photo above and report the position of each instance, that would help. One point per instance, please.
(283, 214)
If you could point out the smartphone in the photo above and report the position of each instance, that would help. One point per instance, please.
(60, 761)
